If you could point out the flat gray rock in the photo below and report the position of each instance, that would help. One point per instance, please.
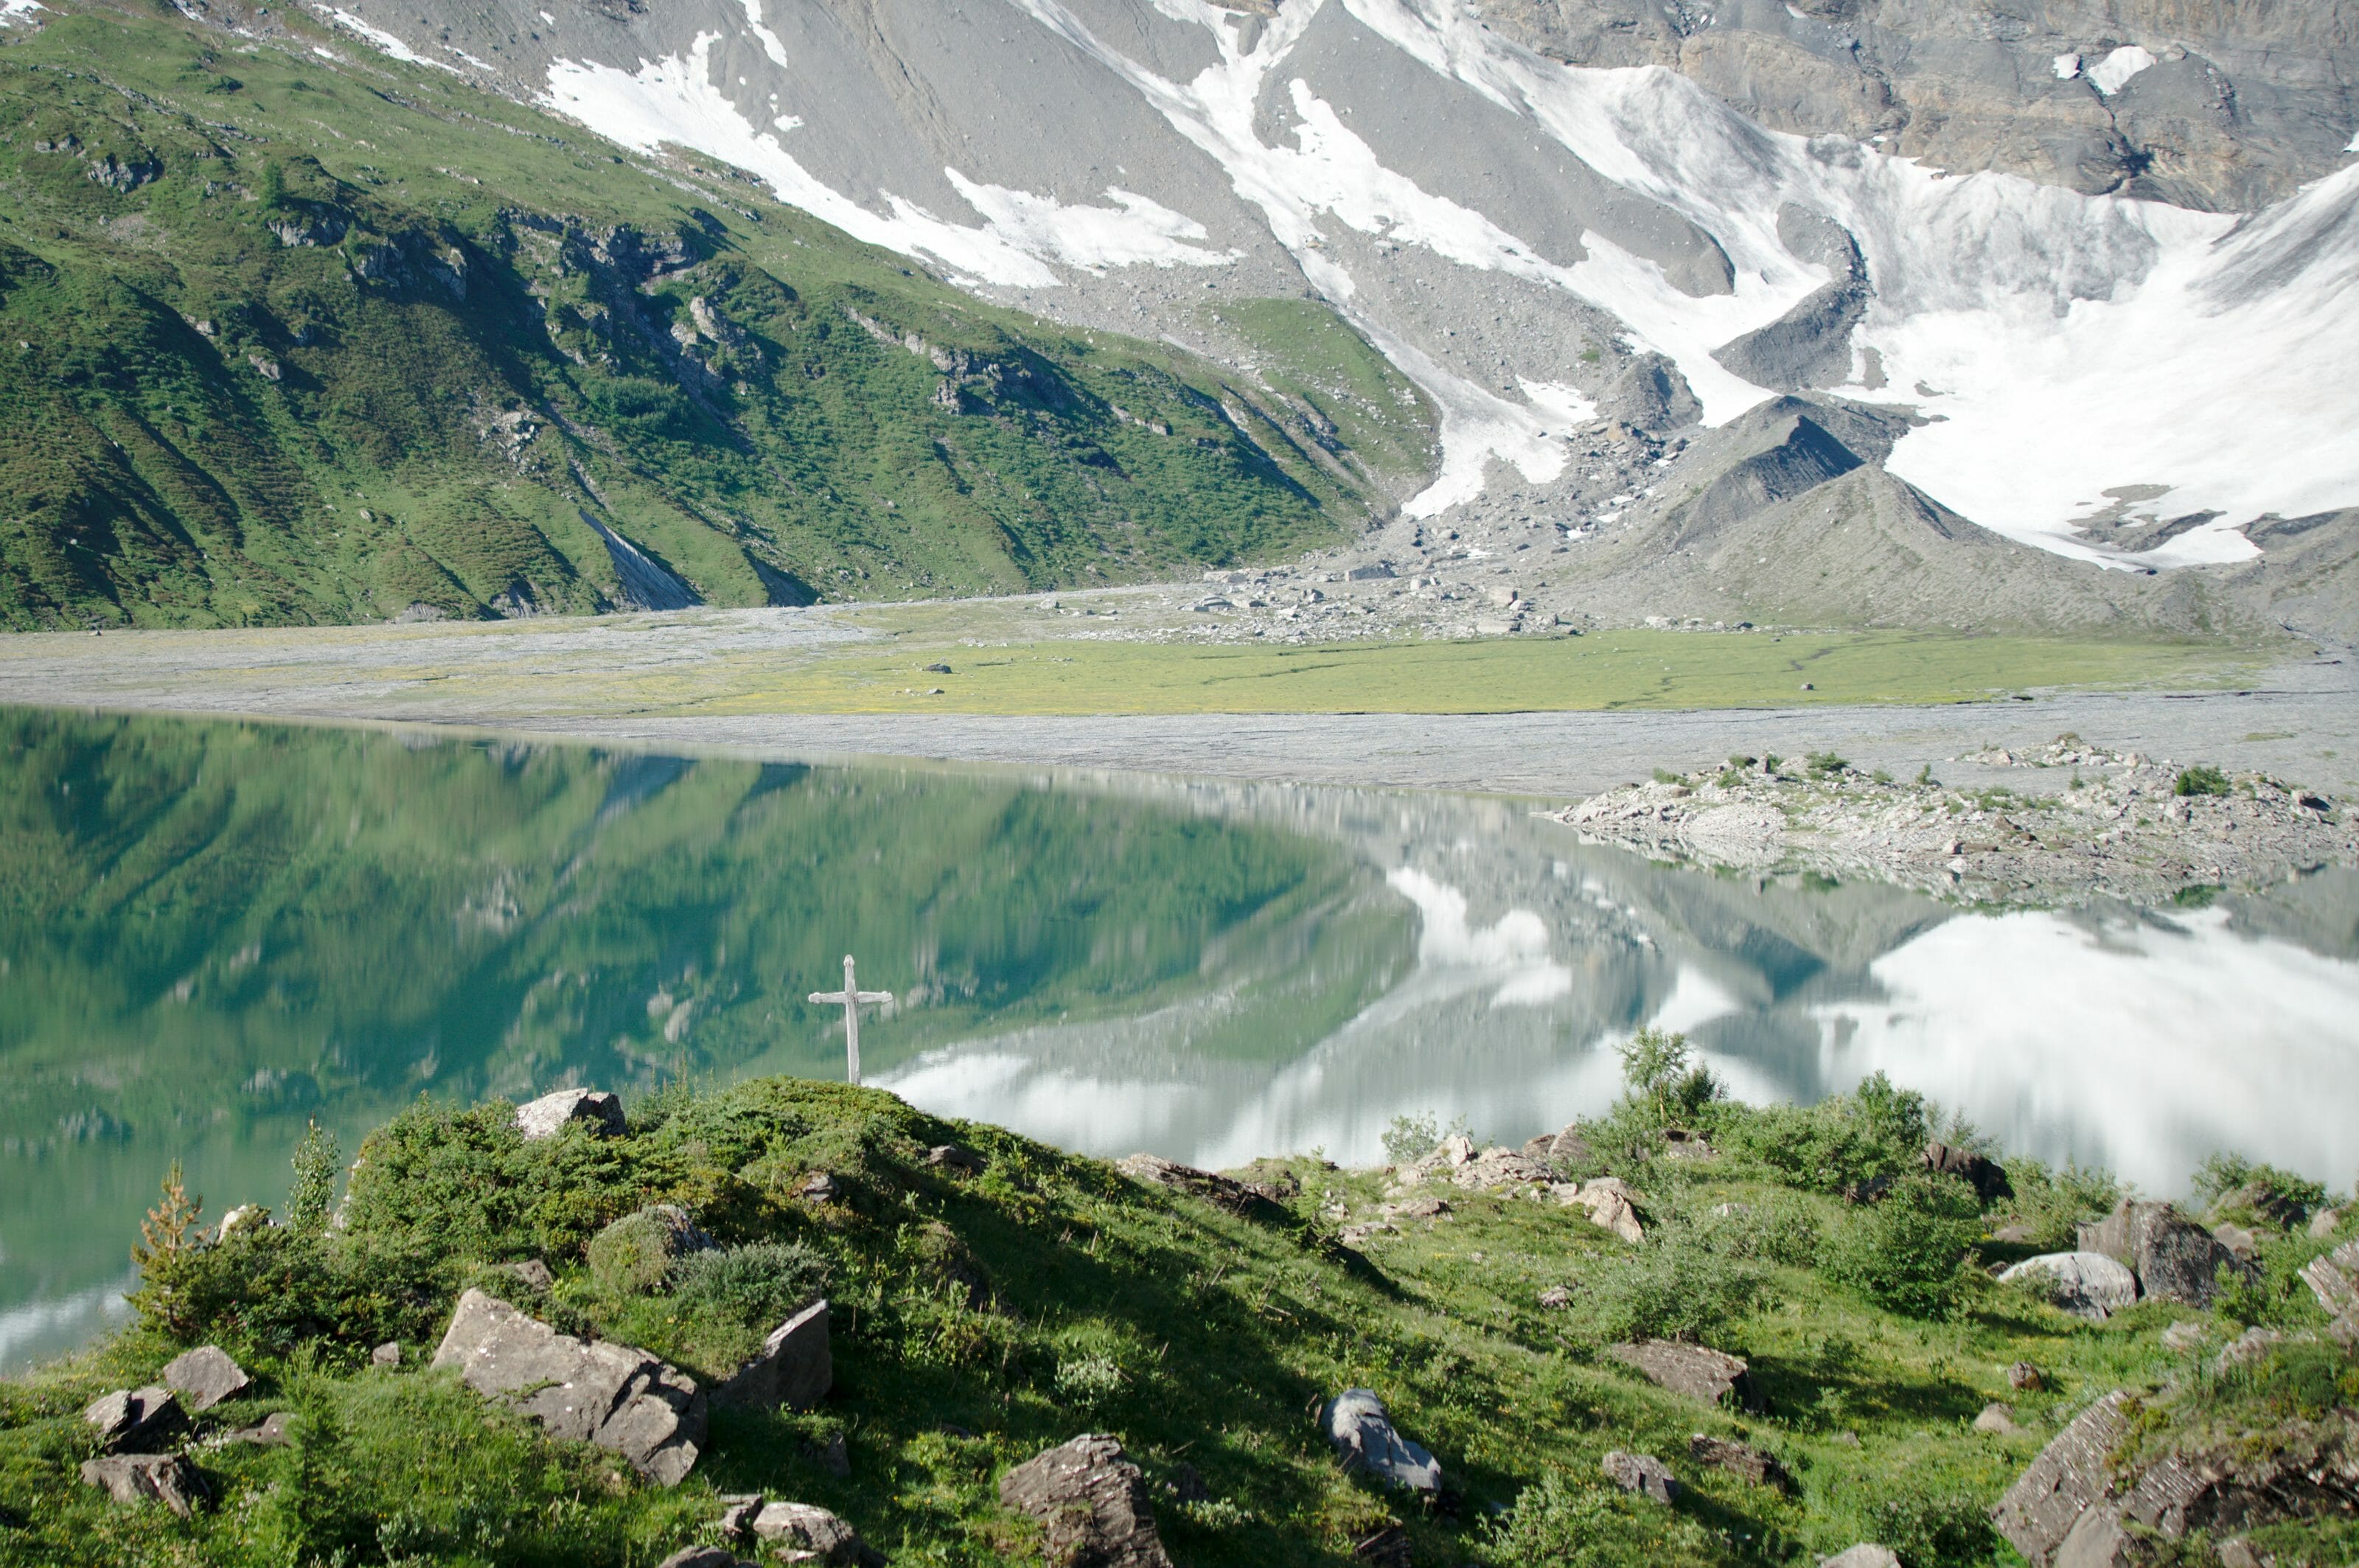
(1092, 1504)
(205, 1376)
(166, 1478)
(1711, 1377)
(2087, 1284)
(622, 1398)
(794, 1367)
(1867, 1554)
(816, 1534)
(1355, 1422)
(601, 1113)
(132, 1418)
(1641, 1475)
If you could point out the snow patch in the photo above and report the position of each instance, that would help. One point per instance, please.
(675, 100)
(2068, 66)
(386, 43)
(485, 66)
(770, 44)
(14, 11)
(2113, 73)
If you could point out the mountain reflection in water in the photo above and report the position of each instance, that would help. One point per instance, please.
(210, 932)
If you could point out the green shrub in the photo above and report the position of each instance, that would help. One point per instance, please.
(2201, 780)
(1411, 1138)
(270, 1290)
(1908, 1252)
(1567, 1523)
(1875, 1131)
(637, 1255)
(313, 1195)
(1931, 1530)
(1826, 762)
(2050, 1203)
(2272, 1192)
(760, 1285)
(1675, 1286)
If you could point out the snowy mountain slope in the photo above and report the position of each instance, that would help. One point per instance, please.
(1516, 234)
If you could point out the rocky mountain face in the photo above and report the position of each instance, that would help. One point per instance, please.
(2071, 277)
(2220, 105)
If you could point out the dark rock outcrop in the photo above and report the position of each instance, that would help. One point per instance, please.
(166, 1478)
(1641, 1475)
(1219, 1191)
(2175, 1259)
(1986, 1176)
(1092, 1504)
(1740, 1459)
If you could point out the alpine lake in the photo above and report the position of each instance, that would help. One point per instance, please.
(214, 932)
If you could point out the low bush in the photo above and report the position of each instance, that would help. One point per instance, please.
(1675, 1286)
(1567, 1523)
(2201, 780)
(1875, 1131)
(2051, 1203)
(1927, 1529)
(2280, 1196)
(1908, 1252)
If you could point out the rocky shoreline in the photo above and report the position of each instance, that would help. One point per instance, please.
(2121, 826)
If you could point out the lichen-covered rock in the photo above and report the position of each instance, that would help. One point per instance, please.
(2175, 1259)
(622, 1398)
(1565, 1150)
(205, 1376)
(1711, 1377)
(1357, 1423)
(1092, 1504)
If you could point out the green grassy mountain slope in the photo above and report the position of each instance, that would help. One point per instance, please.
(293, 332)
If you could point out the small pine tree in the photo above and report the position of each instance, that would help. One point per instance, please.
(171, 1231)
(312, 1198)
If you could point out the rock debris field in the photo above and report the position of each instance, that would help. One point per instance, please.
(2126, 826)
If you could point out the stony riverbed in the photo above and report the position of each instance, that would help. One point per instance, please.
(2123, 825)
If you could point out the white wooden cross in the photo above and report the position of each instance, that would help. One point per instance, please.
(852, 995)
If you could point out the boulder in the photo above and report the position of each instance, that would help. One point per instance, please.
(2246, 1348)
(2262, 1201)
(1565, 1150)
(139, 1419)
(794, 1367)
(2242, 1244)
(1221, 1192)
(1742, 1460)
(601, 1113)
(1496, 1167)
(2069, 1475)
(1355, 1422)
(1092, 1504)
(952, 1157)
(533, 1275)
(205, 1376)
(1642, 1474)
(1986, 1176)
(2023, 1378)
(166, 1478)
(2324, 1222)
(270, 1431)
(1997, 1418)
(239, 1221)
(622, 1398)
(704, 1557)
(386, 1355)
(2090, 1285)
(798, 1532)
(1707, 1376)
(1867, 1554)
(2175, 1259)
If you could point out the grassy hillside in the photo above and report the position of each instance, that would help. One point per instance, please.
(983, 1318)
(294, 333)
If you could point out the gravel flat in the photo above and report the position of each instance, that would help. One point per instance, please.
(2299, 721)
